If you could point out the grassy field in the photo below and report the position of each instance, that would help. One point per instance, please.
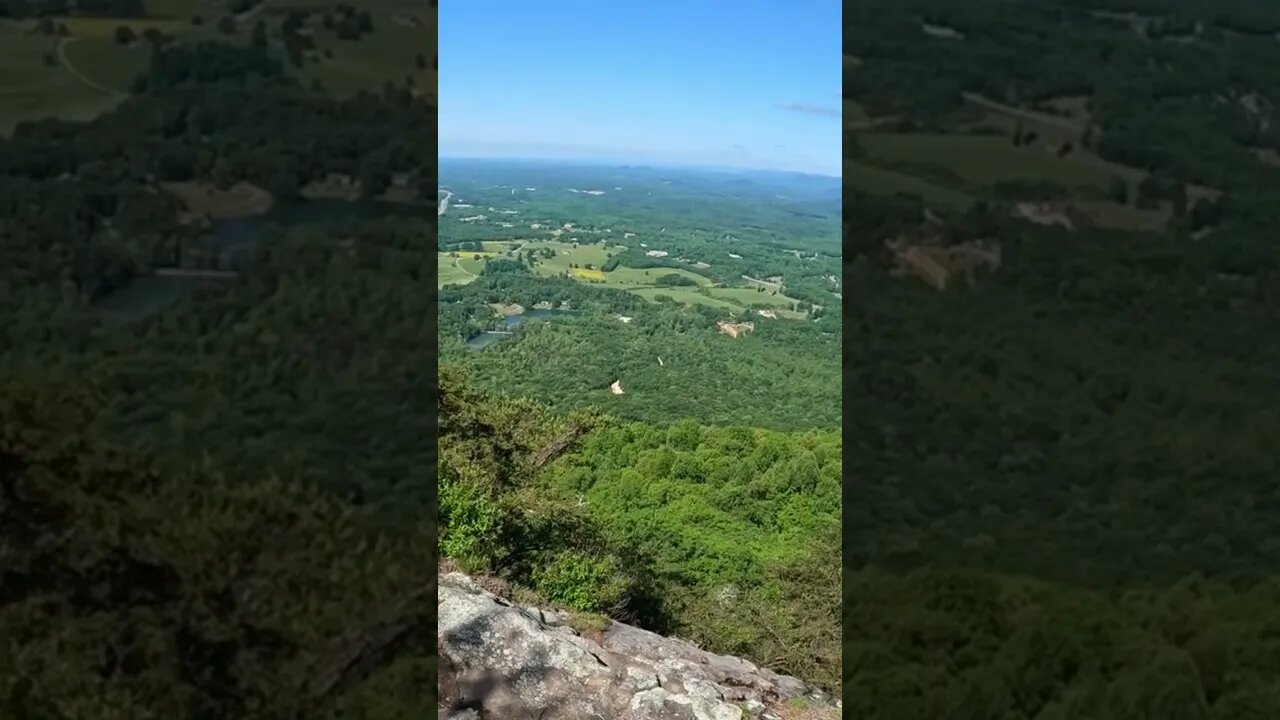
(240, 200)
(876, 181)
(103, 61)
(747, 297)
(979, 161)
(449, 272)
(79, 27)
(983, 160)
(633, 277)
(567, 254)
(1111, 215)
(471, 265)
(588, 275)
(635, 280)
(388, 54)
(182, 9)
(687, 296)
(1049, 132)
(31, 89)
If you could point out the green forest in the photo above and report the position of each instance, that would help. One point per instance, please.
(221, 506)
(1059, 496)
(758, 380)
(620, 455)
(643, 265)
(722, 535)
(216, 435)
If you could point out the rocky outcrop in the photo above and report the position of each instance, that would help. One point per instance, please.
(500, 660)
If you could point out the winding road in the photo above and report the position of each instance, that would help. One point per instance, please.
(195, 273)
(457, 262)
(241, 19)
(1044, 118)
(62, 58)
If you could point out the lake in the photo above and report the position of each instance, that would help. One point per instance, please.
(511, 322)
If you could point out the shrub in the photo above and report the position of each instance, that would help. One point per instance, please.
(582, 582)
(471, 522)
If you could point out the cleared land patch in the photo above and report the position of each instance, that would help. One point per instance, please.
(180, 9)
(984, 159)
(240, 200)
(572, 261)
(589, 275)
(449, 273)
(34, 84)
(1113, 215)
(388, 54)
(878, 181)
(685, 295)
(566, 255)
(107, 63)
(32, 88)
(471, 265)
(625, 276)
(749, 297)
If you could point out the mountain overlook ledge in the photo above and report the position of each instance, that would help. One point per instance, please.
(501, 660)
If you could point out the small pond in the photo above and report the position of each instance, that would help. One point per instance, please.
(510, 323)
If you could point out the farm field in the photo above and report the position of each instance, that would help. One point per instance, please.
(181, 9)
(464, 267)
(1114, 215)
(387, 55)
(632, 277)
(588, 275)
(567, 254)
(878, 181)
(687, 296)
(471, 265)
(32, 88)
(104, 62)
(987, 159)
(980, 159)
(450, 272)
(748, 297)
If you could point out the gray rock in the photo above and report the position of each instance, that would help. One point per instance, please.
(511, 662)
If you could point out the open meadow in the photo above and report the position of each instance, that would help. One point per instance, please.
(583, 263)
(87, 72)
(955, 168)
(984, 160)
(451, 271)
(34, 83)
(879, 181)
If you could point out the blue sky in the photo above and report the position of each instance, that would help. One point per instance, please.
(742, 83)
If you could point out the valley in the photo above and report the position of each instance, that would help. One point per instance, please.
(1059, 248)
(651, 270)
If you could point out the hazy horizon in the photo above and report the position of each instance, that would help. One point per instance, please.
(634, 163)
(661, 83)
